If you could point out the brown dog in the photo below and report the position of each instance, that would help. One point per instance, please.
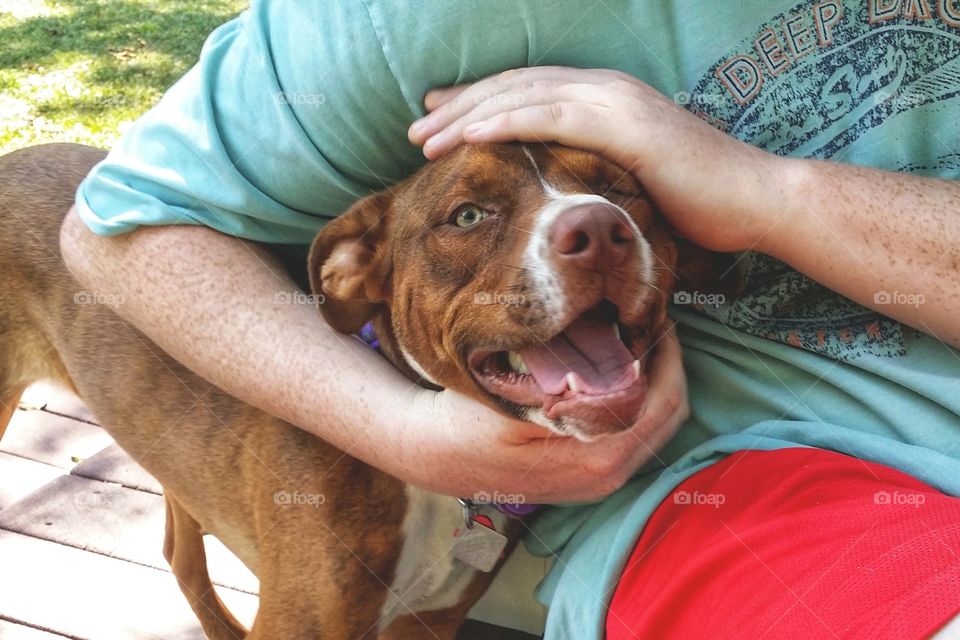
(533, 279)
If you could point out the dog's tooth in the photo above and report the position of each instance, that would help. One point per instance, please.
(636, 368)
(517, 363)
(573, 383)
(616, 331)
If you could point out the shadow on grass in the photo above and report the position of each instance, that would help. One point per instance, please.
(132, 50)
(110, 27)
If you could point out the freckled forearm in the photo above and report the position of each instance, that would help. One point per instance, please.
(227, 310)
(887, 240)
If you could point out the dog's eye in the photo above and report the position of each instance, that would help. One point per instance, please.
(468, 216)
(623, 187)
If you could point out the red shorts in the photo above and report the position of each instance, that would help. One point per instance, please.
(793, 543)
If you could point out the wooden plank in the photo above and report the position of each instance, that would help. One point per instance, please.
(20, 477)
(14, 631)
(52, 439)
(54, 398)
(89, 596)
(114, 521)
(114, 465)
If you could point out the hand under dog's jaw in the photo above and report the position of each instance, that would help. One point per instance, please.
(587, 380)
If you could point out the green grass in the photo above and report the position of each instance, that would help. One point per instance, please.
(82, 70)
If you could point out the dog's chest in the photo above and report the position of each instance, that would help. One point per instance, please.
(428, 577)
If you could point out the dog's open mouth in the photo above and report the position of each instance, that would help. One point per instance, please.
(592, 371)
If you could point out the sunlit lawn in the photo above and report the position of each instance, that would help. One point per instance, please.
(81, 70)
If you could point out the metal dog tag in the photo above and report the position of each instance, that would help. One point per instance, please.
(479, 547)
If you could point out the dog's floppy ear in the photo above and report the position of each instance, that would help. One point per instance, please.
(349, 264)
(706, 271)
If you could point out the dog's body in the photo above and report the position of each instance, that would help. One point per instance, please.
(375, 551)
(190, 434)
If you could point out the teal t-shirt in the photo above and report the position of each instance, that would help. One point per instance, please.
(296, 109)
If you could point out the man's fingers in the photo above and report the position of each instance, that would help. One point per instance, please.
(443, 106)
(438, 97)
(506, 90)
(667, 390)
(667, 407)
(666, 362)
(568, 470)
(503, 82)
(442, 133)
(571, 123)
(448, 105)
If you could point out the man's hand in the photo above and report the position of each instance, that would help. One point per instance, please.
(471, 448)
(863, 232)
(210, 301)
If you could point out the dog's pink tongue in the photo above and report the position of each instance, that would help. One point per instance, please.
(589, 349)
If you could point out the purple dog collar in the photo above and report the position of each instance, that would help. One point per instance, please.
(471, 509)
(513, 509)
(369, 335)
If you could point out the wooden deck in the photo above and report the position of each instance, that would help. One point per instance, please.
(81, 533)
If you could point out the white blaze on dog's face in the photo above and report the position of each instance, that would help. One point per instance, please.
(532, 277)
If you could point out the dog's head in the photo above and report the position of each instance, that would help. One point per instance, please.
(532, 277)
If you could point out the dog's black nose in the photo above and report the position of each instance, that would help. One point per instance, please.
(593, 236)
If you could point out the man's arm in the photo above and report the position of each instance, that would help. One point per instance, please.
(209, 300)
(861, 232)
(889, 241)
